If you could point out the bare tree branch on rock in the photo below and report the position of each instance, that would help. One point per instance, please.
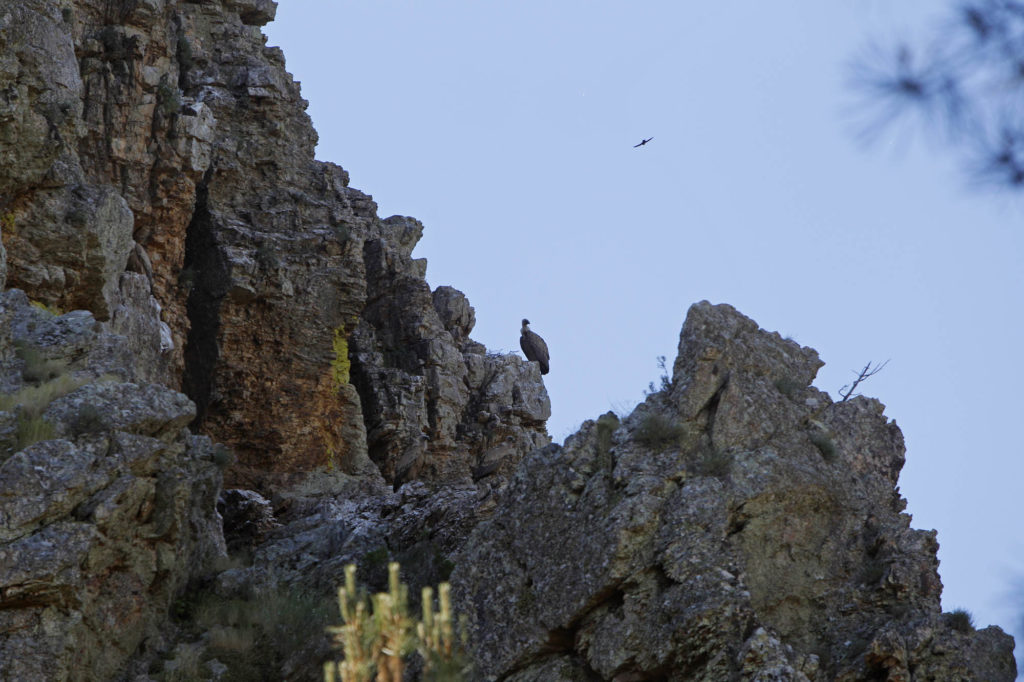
(847, 391)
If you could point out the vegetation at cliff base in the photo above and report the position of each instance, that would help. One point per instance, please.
(378, 634)
(248, 636)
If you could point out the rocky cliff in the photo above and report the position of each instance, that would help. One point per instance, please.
(106, 499)
(166, 139)
(191, 297)
(737, 525)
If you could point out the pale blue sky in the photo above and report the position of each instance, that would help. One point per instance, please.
(507, 128)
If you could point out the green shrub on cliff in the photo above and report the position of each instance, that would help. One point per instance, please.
(658, 432)
(960, 620)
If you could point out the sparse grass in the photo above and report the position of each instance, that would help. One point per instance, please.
(788, 387)
(960, 620)
(29, 403)
(606, 425)
(664, 381)
(658, 432)
(34, 399)
(37, 369)
(256, 635)
(378, 557)
(31, 429)
(167, 98)
(185, 667)
(825, 445)
(341, 365)
(445, 566)
(714, 462)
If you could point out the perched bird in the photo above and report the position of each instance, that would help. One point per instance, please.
(491, 460)
(643, 142)
(534, 347)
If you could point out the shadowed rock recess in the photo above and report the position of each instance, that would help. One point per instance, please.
(223, 377)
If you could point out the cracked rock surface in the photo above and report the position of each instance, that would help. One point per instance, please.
(737, 525)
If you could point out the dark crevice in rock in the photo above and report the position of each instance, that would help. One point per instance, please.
(377, 447)
(560, 641)
(206, 274)
(711, 408)
(737, 521)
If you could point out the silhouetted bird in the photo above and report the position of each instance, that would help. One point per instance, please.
(643, 142)
(534, 347)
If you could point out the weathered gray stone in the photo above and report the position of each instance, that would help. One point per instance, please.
(254, 12)
(101, 527)
(40, 110)
(456, 314)
(248, 518)
(738, 525)
(45, 482)
(136, 318)
(710, 536)
(143, 409)
(434, 400)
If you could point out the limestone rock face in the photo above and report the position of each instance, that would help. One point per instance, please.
(166, 139)
(435, 400)
(157, 180)
(738, 525)
(106, 501)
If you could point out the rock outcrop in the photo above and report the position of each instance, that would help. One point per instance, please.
(157, 180)
(737, 525)
(106, 500)
(165, 138)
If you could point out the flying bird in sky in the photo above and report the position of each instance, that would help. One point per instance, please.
(643, 142)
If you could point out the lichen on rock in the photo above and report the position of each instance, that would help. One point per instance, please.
(158, 183)
(631, 562)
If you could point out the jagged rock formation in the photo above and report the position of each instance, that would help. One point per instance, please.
(106, 500)
(439, 401)
(157, 176)
(165, 138)
(738, 525)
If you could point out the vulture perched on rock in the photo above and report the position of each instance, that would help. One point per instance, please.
(534, 347)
